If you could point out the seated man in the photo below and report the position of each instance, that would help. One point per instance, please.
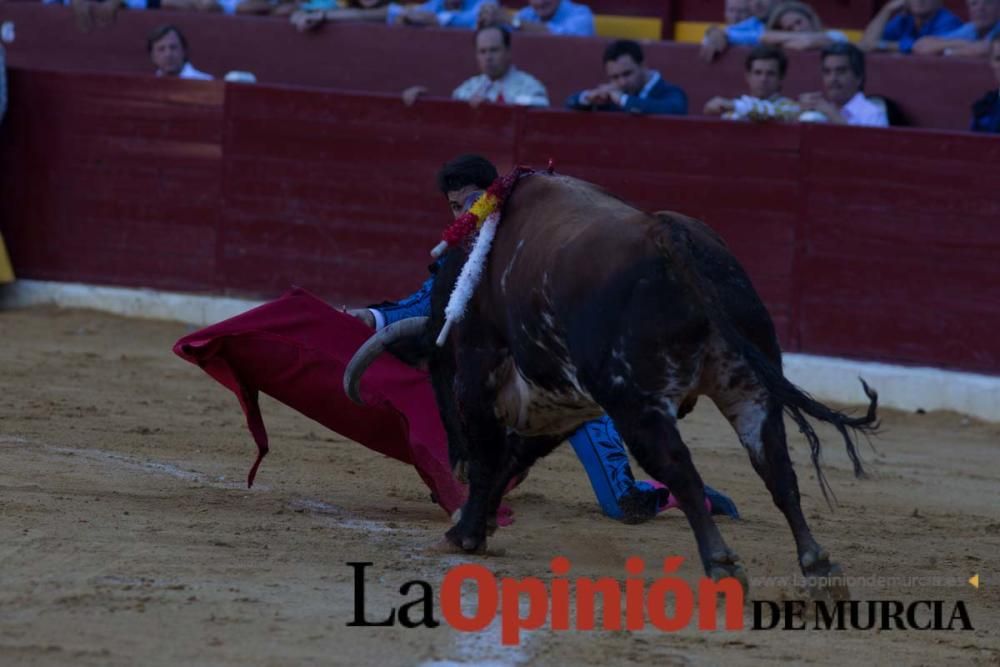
(843, 102)
(168, 49)
(443, 13)
(745, 32)
(554, 17)
(765, 72)
(986, 110)
(499, 81)
(900, 23)
(296, 349)
(972, 39)
(631, 86)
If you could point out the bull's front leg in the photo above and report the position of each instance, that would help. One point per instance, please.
(485, 437)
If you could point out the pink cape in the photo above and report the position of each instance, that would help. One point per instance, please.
(295, 349)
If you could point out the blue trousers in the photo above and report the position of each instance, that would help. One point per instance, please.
(602, 453)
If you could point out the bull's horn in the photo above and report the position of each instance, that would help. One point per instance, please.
(375, 346)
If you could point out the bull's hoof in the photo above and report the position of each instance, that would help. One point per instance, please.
(824, 579)
(492, 523)
(472, 544)
(641, 505)
(727, 564)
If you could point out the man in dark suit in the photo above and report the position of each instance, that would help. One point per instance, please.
(986, 110)
(631, 86)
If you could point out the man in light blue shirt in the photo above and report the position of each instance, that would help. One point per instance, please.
(971, 39)
(444, 13)
(556, 17)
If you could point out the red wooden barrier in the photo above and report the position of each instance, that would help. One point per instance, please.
(336, 192)
(901, 246)
(383, 59)
(106, 178)
(876, 244)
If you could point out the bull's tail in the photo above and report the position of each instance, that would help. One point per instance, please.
(796, 402)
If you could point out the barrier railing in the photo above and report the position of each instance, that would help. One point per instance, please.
(876, 244)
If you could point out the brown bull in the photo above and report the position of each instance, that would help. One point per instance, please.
(589, 306)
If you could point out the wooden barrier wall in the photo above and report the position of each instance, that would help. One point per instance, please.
(934, 92)
(875, 244)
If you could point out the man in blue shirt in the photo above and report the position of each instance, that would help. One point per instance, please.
(596, 443)
(900, 23)
(631, 86)
(443, 13)
(555, 17)
(970, 40)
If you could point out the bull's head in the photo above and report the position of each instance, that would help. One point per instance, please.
(406, 338)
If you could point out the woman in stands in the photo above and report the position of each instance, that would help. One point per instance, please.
(795, 25)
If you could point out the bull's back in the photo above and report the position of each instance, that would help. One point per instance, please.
(566, 234)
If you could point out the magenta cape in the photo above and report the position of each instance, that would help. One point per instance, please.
(295, 349)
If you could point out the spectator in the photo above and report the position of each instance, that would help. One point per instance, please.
(972, 39)
(765, 72)
(259, 7)
(102, 13)
(736, 11)
(843, 102)
(986, 110)
(900, 23)
(743, 33)
(372, 11)
(444, 13)
(3, 82)
(498, 81)
(631, 86)
(795, 25)
(556, 17)
(168, 49)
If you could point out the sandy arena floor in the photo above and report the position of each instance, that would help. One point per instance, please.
(127, 536)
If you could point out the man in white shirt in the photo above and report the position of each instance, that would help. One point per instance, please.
(168, 50)
(766, 67)
(499, 81)
(843, 102)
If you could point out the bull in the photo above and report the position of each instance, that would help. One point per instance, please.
(589, 306)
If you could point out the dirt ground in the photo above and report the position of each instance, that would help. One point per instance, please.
(127, 536)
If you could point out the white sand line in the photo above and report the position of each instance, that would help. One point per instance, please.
(342, 518)
(156, 468)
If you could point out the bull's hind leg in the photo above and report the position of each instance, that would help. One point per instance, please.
(761, 429)
(652, 436)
